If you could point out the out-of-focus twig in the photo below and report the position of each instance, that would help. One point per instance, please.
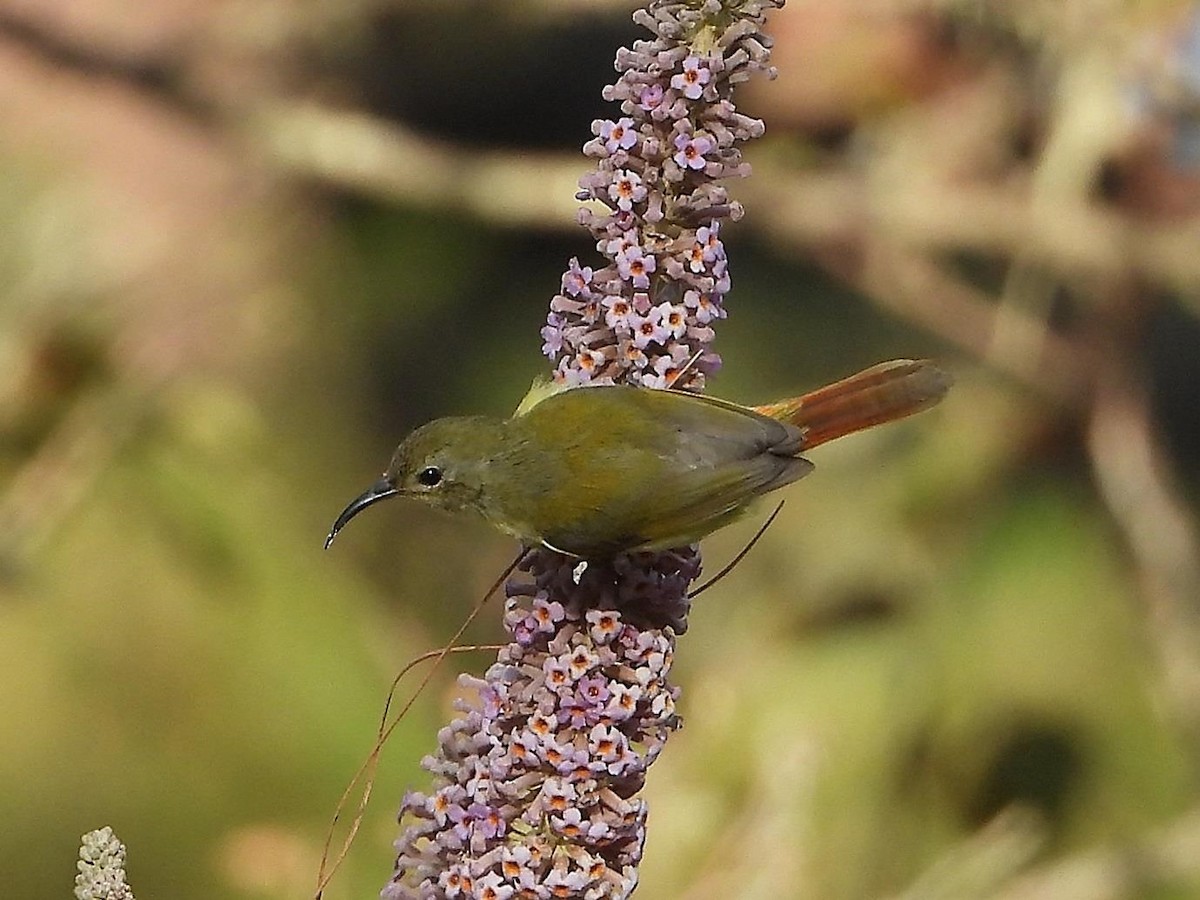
(1173, 855)
(913, 286)
(367, 154)
(739, 872)
(1134, 481)
(984, 861)
(1085, 131)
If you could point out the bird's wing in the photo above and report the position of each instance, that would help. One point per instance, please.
(655, 469)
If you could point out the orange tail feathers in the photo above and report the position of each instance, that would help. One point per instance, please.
(882, 393)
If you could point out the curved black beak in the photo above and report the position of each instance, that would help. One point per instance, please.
(380, 490)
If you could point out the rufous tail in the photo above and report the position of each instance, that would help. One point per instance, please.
(882, 393)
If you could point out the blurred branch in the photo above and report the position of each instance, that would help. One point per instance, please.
(985, 864)
(913, 286)
(366, 154)
(739, 871)
(1133, 478)
(984, 861)
(1173, 855)
(994, 221)
(1081, 138)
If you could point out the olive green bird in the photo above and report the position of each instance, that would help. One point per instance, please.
(594, 471)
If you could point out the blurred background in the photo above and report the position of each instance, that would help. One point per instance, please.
(248, 244)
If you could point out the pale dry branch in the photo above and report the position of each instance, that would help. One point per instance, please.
(1134, 480)
(1121, 873)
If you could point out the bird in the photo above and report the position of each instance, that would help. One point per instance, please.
(592, 471)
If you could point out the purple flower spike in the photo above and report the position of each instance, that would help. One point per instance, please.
(656, 201)
(535, 782)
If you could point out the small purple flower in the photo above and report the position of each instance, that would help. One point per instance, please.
(690, 150)
(617, 315)
(605, 742)
(648, 328)
(633, 356)
(593, 690)
(524, 631)
(706, 307)
(547, 613)
(493, 887)
(486, 820)
(636, 266)
(561, 882)
(558, 794)
(707, 237)
(706, 250)
(650, 96)
(558, 674)
(618, 245)
(552, 335)
(583, 708)
(618, 135)
(462, 823)
(666, 371)
(542, 726)
(445, 800)
(570, 824)
(524, 749)
(577, 279)
(566, 757)
(582, 661)
(626, 189)
(568, 374)
(640, 645)
(720, 269)
(604, 624)
(588, 362)
(622, 701)
(674, 319)
(456, 880)
(692, 79)
(491, 698)
(517, 864)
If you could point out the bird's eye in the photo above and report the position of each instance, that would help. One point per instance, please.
(430, 476)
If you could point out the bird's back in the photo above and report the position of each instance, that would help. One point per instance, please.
(630, 468)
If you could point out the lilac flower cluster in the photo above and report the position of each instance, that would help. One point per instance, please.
(649, 310)
(535, 782)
